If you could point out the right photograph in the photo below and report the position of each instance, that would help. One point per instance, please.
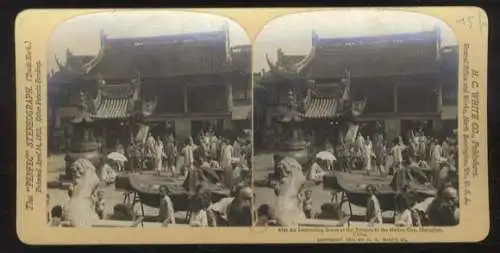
(356, 120)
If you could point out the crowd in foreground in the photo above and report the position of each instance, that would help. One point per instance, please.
(419, 159)
(212, 161)
(235, 210)
(163, 154)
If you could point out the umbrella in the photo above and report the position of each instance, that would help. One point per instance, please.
(325, 155)
(117, 156)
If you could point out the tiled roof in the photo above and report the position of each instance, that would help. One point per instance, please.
(118, 91)
(369, 60)
(163, 56)
(113, 108)
(369, 56)
(114, 101)
(211, 36)
(321, 107)
(415, 37)
(159, 56)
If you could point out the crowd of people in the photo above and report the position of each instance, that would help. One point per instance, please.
(419, 157)
(161, 155)
(211, 154)
(438, 158)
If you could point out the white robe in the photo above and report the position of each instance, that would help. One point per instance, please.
(436, 158)
(150, 146)
(368, 153)
(227, 156)
(403, 219)
(159, 153)
(316, 173)
(188, 152)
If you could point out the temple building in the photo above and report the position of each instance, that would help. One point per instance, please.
(393, 82)
(174, 84)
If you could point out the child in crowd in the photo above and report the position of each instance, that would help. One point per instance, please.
(416, 215)
(403, 217)
(373, 209)
(166, 213)
(56, 216)
(307, 204)
(316, 172)
(264, 216)
(198, 216)
(100, 205)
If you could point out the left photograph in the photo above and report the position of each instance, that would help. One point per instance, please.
(149, 121)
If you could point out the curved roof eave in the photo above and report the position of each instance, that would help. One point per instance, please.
(68, 68)
(296, 70)
(280, 71)
(92, 64)
(304, 63)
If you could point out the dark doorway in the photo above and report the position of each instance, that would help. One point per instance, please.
(324, 132)
(197, 126)
(158, 129)
(117, 132)
(372, 128)
(408, 125)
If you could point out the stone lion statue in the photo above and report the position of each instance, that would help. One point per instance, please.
(80, 210)
(288, 209)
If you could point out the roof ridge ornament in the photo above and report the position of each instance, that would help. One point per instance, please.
(84, 111)
(59, 64)
(68, 54)
(315, 37)
(103, 37)
(225, 30)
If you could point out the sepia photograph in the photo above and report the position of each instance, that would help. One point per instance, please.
(356, 120)
(149, 121)
(252, 126)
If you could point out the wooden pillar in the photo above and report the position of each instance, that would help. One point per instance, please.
(439, 97)
(395, 97)
(185, 97)
(229, 96)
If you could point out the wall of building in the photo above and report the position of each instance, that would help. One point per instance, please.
(392, 128)
(182, 129)
(227, 125)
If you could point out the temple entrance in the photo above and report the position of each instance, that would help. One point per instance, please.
(372, 128)
(199, 126)
(169, 130)
(114, 132)
(408, 125)
(324, 131)
(163, 129)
